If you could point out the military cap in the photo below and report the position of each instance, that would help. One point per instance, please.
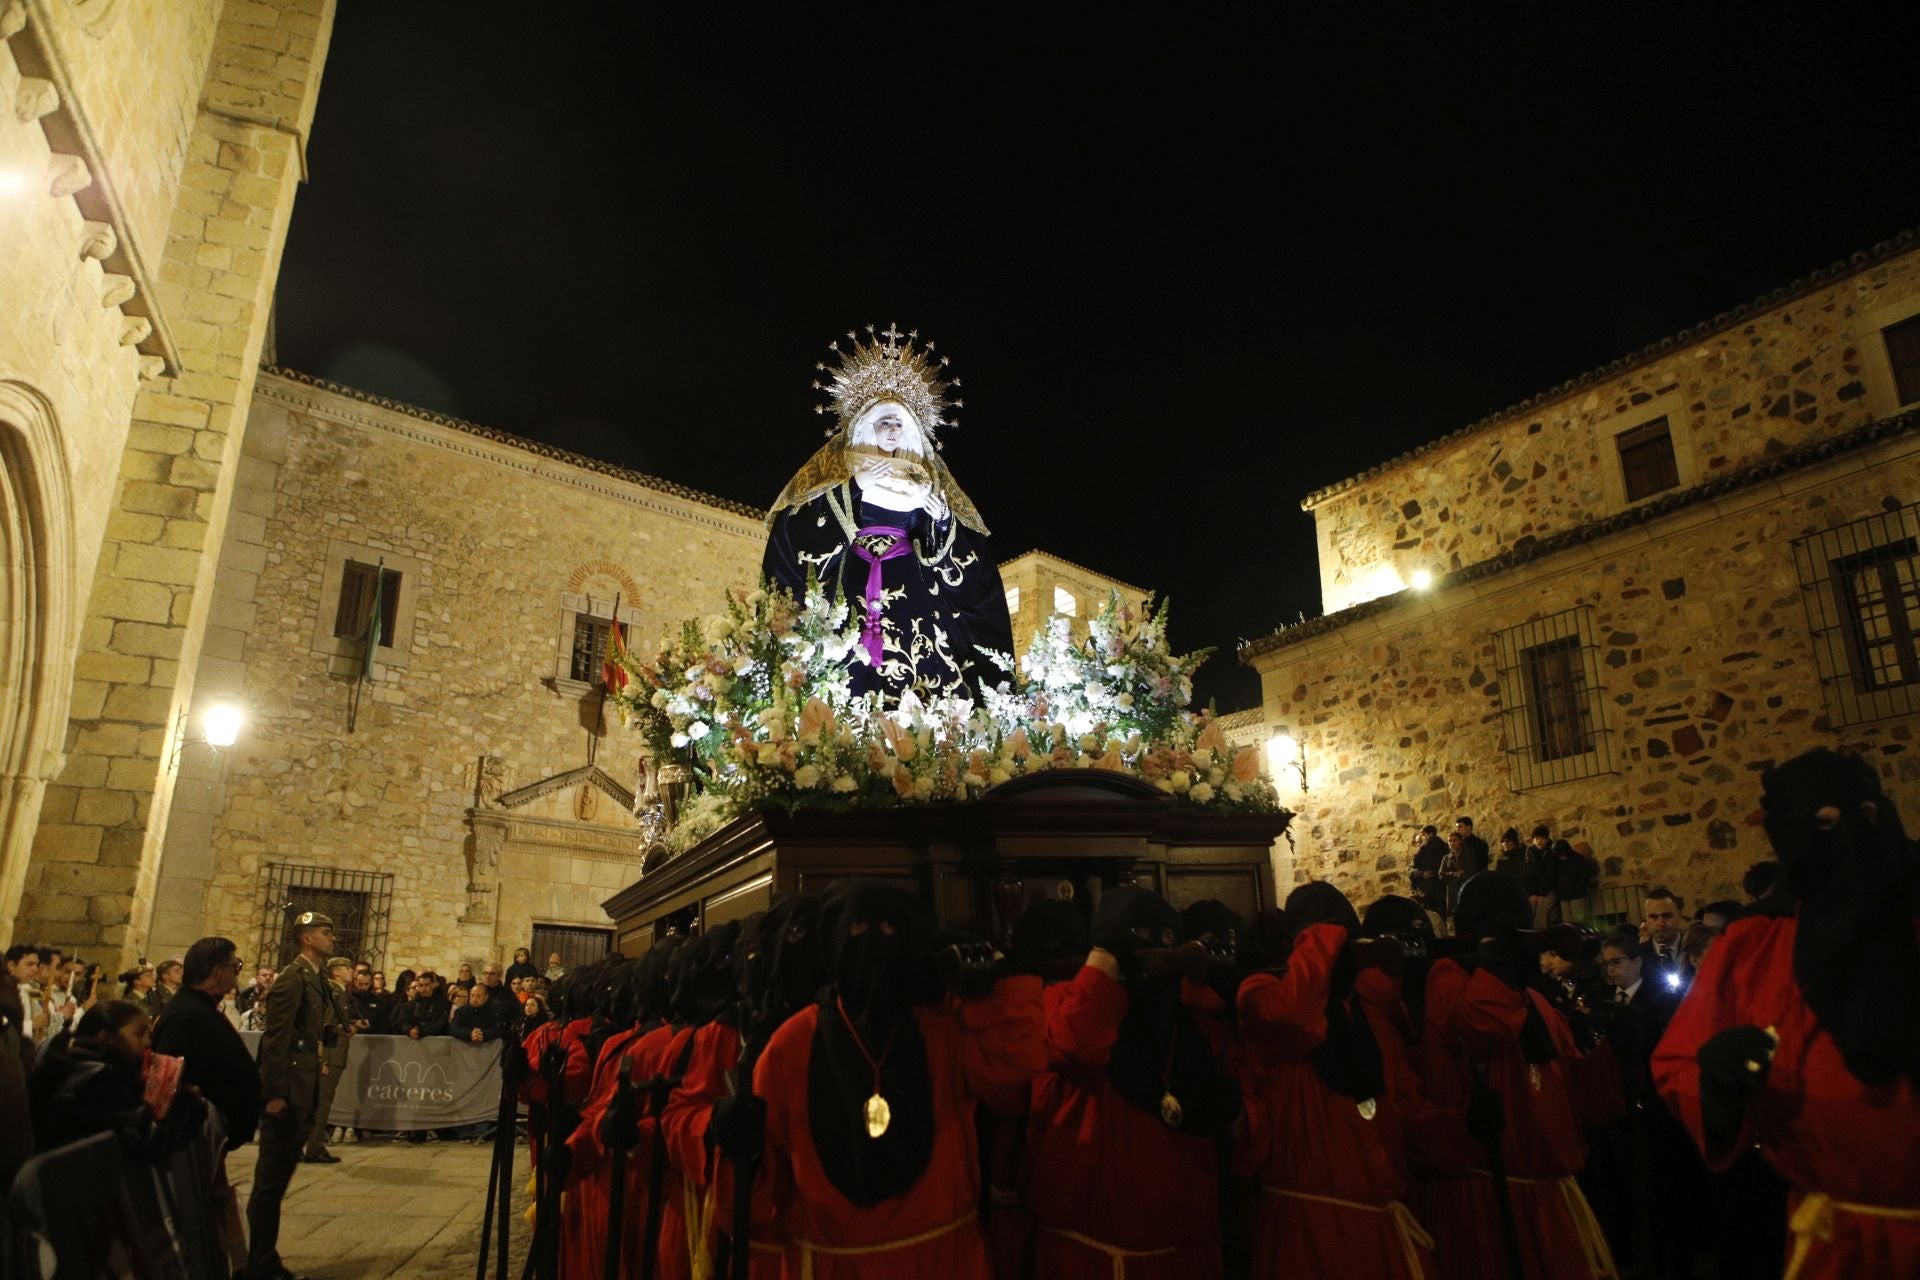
(312, 920)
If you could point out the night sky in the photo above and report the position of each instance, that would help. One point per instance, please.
(1187, 273)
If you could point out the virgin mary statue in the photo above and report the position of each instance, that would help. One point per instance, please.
(878, 518)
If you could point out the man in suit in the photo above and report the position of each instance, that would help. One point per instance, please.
(193, 1027)
(290, 1081)
(1661, 926)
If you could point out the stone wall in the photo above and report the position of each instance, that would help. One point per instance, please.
(95, 852)
(498, 543)
(1810, 367)
(1706, 662)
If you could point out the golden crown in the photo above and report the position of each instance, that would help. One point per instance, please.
(886, 365)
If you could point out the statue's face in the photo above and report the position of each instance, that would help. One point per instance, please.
(887, 430)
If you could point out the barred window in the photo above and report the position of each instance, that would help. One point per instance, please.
(589, 647)
(1551, 701)
(360, 904)
(356, 601)
(1064, 603)
(1013, 599)
(1861, 585)
(1646, 459)
(1903, 353)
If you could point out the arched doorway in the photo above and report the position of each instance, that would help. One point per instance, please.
(36, 620)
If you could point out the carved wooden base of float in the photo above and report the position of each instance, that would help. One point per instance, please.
(978, 864)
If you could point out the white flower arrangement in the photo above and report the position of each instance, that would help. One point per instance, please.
(758, 700)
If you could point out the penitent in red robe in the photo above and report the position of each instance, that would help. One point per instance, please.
(1107, 1181)
(1850, 1151)
(986, 1050)
(1333, 1181)
(707, 1176)
(584, 1223)
(1474, 1016)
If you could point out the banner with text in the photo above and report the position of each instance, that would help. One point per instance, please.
(436, 1082)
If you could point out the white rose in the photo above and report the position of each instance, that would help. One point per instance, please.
(1125, 701)
(843, 782)
(743, 664)
(719, 627)
(1181, 781)
(1203, 757)
(756, 598)
(806, 776)
(922, 788)
(1094, 693)
(1216, 775)
(1233, 791)
(1201, 793)
(678, 740)
(659, 699)
(1165, 784)
(1059, 732)
(697, 730)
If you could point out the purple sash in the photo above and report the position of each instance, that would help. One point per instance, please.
(870, 631)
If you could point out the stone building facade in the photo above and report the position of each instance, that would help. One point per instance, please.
(470, 787)
(1641, 589)
(149, 156)
(1040, 584)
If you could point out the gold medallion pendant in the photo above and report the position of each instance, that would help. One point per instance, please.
(1369, 1108)
(879, 1116)
(1170, 1110)
(1533, 1076)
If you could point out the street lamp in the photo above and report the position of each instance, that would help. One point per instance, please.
(1284, 751)
(219, 729)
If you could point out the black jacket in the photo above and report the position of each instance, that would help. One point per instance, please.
(468, 1018)
(428, 1016)
(521, 969)
(218, 1061)
(84, 1088)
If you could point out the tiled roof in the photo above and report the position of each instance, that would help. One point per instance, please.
(1905, 242)
(520, 442)
(1527, 551)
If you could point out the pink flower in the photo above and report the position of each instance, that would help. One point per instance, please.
(816, 717)
(1018, 744)
(903, 783)
(1213, 738)
(1246, 764)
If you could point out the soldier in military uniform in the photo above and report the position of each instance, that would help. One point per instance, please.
(336, 1031)
(290, 1049)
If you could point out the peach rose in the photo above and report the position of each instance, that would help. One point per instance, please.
(1018, 744)
(1246, 764)
(1213, 738)
(903, 783)
(816, 717)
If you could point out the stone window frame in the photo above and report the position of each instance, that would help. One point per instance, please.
(1527, 768)
(1065, 602)
(1876, 366)
(343, 652)
(1013, 600)
(572, 605)
(1831, 621)
(1686, 464)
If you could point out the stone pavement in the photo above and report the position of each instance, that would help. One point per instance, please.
(390, 1209)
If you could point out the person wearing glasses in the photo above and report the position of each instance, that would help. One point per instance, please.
(194, 1027)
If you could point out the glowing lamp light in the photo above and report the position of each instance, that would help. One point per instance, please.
(12, 182)
(222, 723)
(1421, 579)
(1285, 752)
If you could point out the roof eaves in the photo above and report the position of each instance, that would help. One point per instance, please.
(1527, 551)
(497, 436)
(1905, 242)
